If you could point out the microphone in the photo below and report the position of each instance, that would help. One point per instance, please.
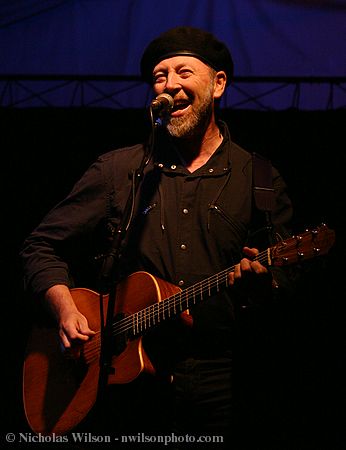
(163, 103)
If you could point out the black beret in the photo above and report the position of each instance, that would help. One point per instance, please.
(187, 41)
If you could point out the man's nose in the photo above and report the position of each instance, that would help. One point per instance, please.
(173, 82)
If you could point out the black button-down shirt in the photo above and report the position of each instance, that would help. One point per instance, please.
(186, 226)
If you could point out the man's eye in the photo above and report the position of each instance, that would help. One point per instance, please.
(159, 78)
(185, 72)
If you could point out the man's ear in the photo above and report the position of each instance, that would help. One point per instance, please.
(220, 84)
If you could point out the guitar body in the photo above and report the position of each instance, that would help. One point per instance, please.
(60, 388)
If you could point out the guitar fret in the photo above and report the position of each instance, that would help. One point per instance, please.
(134, 324)
(158, 312)
(153, 314)
(147, 318)
(141, 319)
(137, 321)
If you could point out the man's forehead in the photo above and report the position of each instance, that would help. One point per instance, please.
(179, 61)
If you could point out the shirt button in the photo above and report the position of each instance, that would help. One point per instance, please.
(181, 283)
(185, 211)
(211, 170)
(183, 247)
(173, 166)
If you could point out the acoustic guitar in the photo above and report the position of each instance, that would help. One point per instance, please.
(61, 387)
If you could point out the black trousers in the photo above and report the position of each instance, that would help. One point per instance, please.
(203, 400)
(190, 409)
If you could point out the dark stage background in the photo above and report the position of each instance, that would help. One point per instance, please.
(294, 386)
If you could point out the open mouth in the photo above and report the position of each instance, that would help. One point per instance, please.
(180, 106)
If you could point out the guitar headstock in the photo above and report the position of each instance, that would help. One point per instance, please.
(307, 245)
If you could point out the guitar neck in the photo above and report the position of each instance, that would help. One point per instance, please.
(306, 245)
(170, 307)
(196, 293)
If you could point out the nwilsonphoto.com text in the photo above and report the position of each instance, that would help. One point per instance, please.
(90, 438)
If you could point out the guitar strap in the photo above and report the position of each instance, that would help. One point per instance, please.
(263, 190)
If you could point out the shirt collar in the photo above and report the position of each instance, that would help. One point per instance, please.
(218, 164)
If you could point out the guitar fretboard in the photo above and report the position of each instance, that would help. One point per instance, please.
(152, 315)
(303, 246)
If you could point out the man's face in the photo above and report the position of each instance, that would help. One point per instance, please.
(191, 83)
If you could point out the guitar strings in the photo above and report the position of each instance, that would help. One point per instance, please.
(165, 306)
(148, 314)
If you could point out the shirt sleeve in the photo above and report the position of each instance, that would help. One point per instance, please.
(44, 253)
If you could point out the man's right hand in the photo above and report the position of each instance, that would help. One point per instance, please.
(73, 325)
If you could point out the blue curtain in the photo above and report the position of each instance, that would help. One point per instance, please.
(107, 37)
